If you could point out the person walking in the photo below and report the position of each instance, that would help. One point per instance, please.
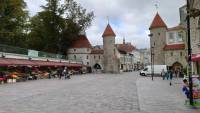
(170, 77)
(49, 71)
(59, 72)
(65, 72)
(167, 74)
(163, 74)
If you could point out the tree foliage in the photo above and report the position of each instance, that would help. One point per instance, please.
(12, 22)
(54, 28)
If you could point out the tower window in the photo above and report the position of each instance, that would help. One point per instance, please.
(94, 56)
(75, 57)
(158, 34)
(87, 57)
(171, 53)
(181, 54)
(74, 50)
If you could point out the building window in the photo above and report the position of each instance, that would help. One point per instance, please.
(99, 57)
(74, 50)
(88, 63)
(75, 57)
(181, 54)
(158, 34)
(171, 37)
(94, 56)
(179, 37)
(87, 57)
(171, 53)
(114, 51)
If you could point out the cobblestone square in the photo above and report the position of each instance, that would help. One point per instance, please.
(94, 93)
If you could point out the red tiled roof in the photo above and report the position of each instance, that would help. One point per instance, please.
(157, 22)
(81, 42)
(125, 47)
(97, 51)
(179, 27)
(174, 47)
(108, 31)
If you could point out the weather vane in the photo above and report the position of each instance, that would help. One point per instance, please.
(108, 19)
(156, 6)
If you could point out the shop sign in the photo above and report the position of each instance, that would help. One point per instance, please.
(32, 53)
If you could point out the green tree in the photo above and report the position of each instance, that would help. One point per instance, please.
(77, 20)
(54, 28)
(13, 17)
(46, 27)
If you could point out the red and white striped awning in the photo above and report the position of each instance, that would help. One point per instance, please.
(26, 62)
(196, 57)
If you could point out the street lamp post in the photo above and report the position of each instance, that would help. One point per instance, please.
(189, 52)
(152, 62)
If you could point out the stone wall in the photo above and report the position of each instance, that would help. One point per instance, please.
(97, 59)
(173, 56)
(158, 40)
(111, 63)
(195, 36)
(82, 55)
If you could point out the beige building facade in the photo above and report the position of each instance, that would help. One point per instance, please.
(111, 59)
(157, 35)
(168, 45)
(195, 35)
(175, 48)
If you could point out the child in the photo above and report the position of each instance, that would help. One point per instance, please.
(185, 89)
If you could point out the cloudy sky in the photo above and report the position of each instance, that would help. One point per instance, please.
(128, 18)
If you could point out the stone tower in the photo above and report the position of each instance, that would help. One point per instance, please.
(111, 64)
(157, 35)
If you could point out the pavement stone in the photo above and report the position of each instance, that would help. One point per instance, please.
(159, 97)
(93, 93)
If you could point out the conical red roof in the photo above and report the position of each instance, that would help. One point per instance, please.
(81, 42)
(108, 31)
(157, 22)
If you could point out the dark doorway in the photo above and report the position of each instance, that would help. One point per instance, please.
(97, 66)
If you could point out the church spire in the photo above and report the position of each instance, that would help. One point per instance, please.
(124, 41)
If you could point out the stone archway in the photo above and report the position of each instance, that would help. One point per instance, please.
(97, 66)
(177, 68)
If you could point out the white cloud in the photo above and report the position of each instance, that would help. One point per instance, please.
(129, 18)
(34, 6)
